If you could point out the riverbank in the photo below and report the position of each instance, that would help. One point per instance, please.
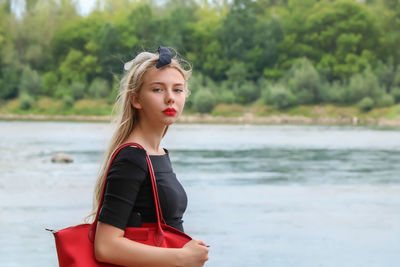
(248, 118)
(98, 110)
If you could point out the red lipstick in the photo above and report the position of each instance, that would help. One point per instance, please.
(169, 111)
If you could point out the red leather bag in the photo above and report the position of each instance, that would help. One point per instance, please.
(75, 246)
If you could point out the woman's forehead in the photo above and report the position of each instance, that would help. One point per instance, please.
(164, 75)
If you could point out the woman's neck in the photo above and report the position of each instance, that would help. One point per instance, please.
(148, 136)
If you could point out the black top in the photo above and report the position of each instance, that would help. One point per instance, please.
(128, 198)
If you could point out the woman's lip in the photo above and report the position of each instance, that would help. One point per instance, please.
(169, 111)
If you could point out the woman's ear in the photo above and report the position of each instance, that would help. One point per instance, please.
(135, 101)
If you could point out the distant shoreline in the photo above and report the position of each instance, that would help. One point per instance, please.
(206, 118)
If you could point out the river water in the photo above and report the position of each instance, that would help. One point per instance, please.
(259, 195)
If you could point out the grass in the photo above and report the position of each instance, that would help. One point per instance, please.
(51, 106)
(225, 110)
(100, 107)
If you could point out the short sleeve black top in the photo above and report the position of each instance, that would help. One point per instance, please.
(128, 198)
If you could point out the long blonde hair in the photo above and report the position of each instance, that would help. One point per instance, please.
(131, 82)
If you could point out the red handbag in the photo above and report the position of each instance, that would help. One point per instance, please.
(75, 246)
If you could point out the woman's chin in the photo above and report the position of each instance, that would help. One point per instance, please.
(170, 120)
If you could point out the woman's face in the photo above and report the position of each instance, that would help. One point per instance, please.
(162, 96)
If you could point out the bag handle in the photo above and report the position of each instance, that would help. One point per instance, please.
(159, 236)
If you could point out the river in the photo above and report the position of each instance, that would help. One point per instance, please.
(258, 195)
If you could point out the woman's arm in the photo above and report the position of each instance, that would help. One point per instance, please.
(111, 246)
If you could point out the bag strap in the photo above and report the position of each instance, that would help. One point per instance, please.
(159, 237)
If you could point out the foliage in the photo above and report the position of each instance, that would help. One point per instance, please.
(30, 82)
(25, 101)
(99, 88)
(49, 83)
(78, 90)
(304, 82)
(338, 36)
(334, 92)
(364, 85)
(385, 100)
(9, 81)
(366, 104)
(386, 74)
(280, 52)
(246, 93)
(204, 101)
(279, 96)
(396, 94)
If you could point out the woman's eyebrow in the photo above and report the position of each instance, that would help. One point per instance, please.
(175, 84)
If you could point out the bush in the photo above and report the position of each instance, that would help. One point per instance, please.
(280, 97)
(396, 79)
(237, 73)
(25, 101)
(204, 101)
(61, 90)
(114, 90)
(366, 104)
(30, 82)
(333, 92)
(226, 96)
(77, 90)
(9, 81)
(68, 101)
(385, 100)
(247, 92)
(99, 88)
(396, 94)
(364, 85)
(196, 82)
(305, 82)
(49, 83)
(385, 73)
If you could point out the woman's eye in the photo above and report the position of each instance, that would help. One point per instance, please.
(156, 90)
(178, 90)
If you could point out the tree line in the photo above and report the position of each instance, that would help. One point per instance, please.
(277, 52)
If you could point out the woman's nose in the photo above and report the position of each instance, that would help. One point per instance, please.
(169, 97)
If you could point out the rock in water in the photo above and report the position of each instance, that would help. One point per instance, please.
(62, 158)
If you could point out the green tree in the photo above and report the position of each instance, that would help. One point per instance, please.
(386, 74)
(78, 67)
(109, 52)
(49, 83)
(339, 37)
(172, 27)
(246, 92)
(9, 80)
(249, 38)
(99, 88)
(279, 96)
(204, 101)
(10, 69)
(389, 16)
(364, 85)
(205, 48)
(305, 82)
(30, 82)
(135, 29)
(366, 104)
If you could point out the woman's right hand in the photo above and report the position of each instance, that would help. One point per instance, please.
(195, 253)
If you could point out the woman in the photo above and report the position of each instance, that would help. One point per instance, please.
(152, 97)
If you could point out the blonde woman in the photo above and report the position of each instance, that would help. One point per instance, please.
(152, 97)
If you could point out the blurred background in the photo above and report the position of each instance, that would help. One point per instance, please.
(300, 57)
(308, 174)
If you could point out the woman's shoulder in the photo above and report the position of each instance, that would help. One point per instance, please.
(132, 155)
